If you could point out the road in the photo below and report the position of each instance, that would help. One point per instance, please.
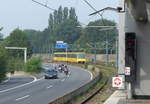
(41, 91)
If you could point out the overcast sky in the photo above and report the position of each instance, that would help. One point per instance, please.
(26, 14)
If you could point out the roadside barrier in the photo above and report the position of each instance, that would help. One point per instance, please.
(70, 95)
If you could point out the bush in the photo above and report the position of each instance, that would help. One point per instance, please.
(15, 65)
(33, 66)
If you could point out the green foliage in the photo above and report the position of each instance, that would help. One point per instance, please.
(34, 66)
(3, 63)
(18, 38)
(62, 26)
(67, 31)
(96, 38)
(1, 28)
(15, 65)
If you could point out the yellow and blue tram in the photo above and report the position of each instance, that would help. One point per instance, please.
(77, 57)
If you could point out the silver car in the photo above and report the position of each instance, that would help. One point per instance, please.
(51, 73)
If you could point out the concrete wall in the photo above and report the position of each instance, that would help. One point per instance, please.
(142, 84)
(121, 53)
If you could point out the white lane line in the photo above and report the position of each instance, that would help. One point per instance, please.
(90, 74)
(63, 80)
(50, 86)
(22, 97)
(5, 81)
(40, 79)
(35, 80)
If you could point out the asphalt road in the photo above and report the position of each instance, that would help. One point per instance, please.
(41, 91)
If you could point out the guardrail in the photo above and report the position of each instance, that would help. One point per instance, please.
(70, 95)
(104, 82)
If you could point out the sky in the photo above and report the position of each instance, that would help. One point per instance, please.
(25, 14)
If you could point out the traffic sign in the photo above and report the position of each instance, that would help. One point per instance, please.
(127, 71)
(61, 45)
(117, 82)
(59, 42)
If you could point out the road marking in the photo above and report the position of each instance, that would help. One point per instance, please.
(63, 80)
(35, 80)
(5, 81)
(40, 79)
(22, 97)
(50, 86)
(90, 74)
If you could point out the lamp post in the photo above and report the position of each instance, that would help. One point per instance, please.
(66, 47)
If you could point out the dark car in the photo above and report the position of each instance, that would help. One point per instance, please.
(51, 73)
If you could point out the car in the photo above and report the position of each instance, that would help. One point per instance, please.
(51, 73)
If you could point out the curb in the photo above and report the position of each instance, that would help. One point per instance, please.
(5, 81)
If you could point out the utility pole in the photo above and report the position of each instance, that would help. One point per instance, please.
(107, 54)
(117, 52)
(95, 53)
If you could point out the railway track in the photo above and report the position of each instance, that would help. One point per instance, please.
(96, 92)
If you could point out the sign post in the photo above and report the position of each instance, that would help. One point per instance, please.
(61, 44)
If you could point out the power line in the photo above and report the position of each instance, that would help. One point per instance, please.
(107, 58)
(45, 5)
(91, 6)
(94, 10)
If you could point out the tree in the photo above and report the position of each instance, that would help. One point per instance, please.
(34, 66)
(97, 37)
(3, 63)
(18, 38)
(14, 64)
(1, 28)
(68, 32)
(62, 25)
(60, 15)
(51, 22)
(72, 14)
(65, 12)
(55, 17)
(1, 35)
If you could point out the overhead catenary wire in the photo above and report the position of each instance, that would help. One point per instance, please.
(44, 5)
(107, 59)
(94, 10)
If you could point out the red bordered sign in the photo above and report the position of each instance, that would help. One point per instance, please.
(117, 82)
